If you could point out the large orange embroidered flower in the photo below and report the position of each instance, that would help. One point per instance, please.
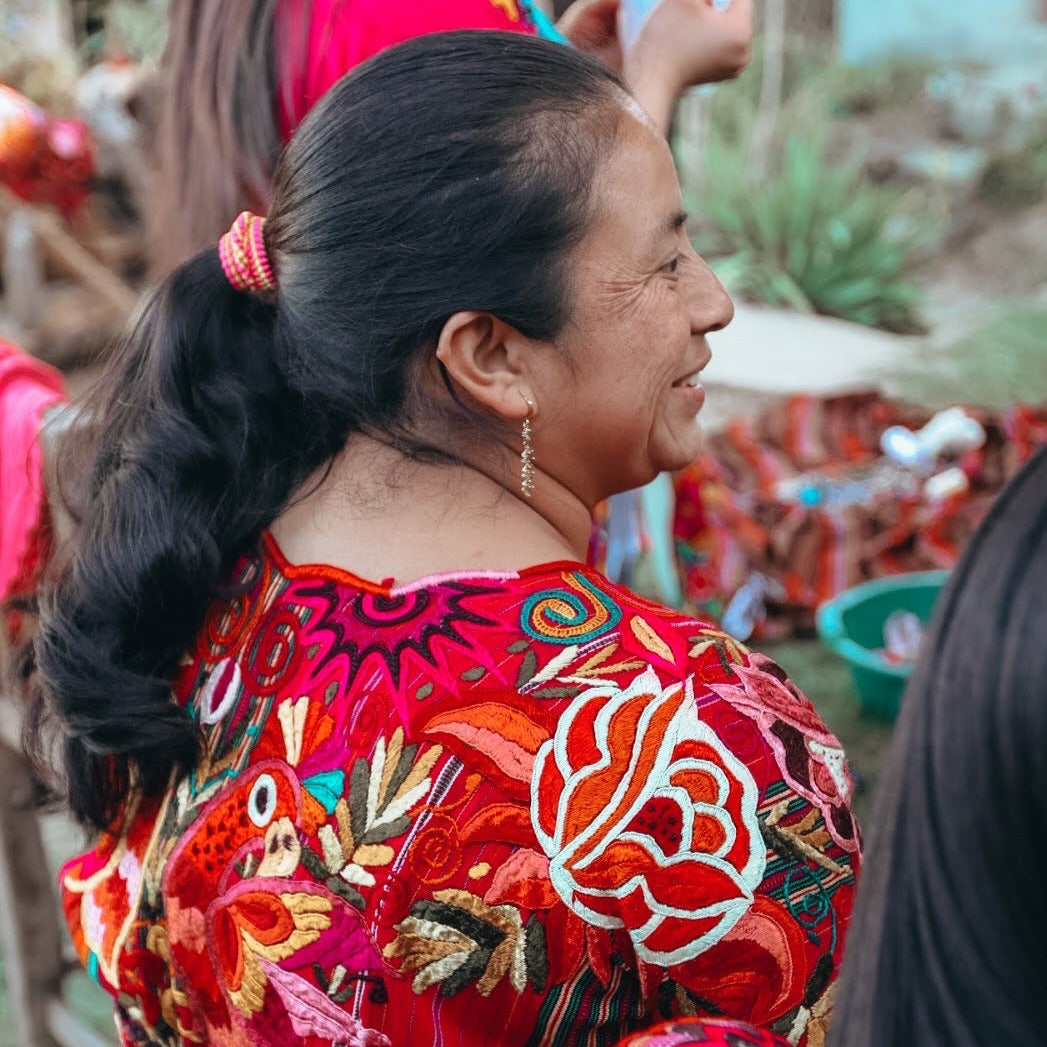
(648, 820)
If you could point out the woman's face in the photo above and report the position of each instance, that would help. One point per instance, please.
(618, 400)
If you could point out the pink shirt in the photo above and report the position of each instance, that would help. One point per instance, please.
(319, 41)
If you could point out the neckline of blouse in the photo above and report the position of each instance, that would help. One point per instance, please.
(388, 588)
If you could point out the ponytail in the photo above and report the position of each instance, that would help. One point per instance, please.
(190, 439)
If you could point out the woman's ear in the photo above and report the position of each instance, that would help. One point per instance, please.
(487, 360)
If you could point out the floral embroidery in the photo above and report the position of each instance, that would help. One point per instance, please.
(756, 969)
(399, 629)
(810, 757)
(648, 821)
(380, 797)
(729, 651)
(496, 736)
(457, 940)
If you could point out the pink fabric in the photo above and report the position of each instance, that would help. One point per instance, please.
(321, 40)
(27, 389)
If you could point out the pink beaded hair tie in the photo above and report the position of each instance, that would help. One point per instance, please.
(243, 255)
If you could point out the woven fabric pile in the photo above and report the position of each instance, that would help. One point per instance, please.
(800, 504)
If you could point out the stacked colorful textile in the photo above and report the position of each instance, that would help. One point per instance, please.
(732, 520)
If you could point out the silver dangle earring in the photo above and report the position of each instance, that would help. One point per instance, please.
(527, 455)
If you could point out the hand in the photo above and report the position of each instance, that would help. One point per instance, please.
(592, 26)
(684, 43)
(694, 43)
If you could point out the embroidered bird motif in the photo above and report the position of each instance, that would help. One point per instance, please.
(242, 928)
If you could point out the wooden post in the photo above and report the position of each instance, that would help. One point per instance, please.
(29, 930)
(771, 87)
(66, 251)
(23, 271)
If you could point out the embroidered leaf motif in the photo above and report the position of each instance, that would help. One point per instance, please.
(727, 648)
(518, 647)
(292, 723)
(478, 672)
(558, 692)
(506, 736)
(559, 663)
(374, 854)
(387, 830)
(594, 667)
(424, 691)
(528, 668)
(315, 865)
(337, 886)
(456, 940)
(535, 955)
(650, 639)
(500, 823)
(802, 841)
(381, 795)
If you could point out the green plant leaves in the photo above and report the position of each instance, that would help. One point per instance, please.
(813, 234)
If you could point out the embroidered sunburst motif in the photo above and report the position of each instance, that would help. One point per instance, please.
(393, 626)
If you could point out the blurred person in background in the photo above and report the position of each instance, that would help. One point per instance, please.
(241, 77)
(949, 943)
(373, 756)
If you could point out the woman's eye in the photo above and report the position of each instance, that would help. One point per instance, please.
(672, 266)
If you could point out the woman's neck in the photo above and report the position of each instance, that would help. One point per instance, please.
(380, 515)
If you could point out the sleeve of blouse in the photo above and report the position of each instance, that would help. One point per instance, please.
(708, 818)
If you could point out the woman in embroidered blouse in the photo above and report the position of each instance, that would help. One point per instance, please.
(425, 777)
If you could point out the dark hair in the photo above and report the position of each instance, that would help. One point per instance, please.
(949, 940)
(453, 172)
(218, 140)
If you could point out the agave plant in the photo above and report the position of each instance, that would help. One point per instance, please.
(812, 234)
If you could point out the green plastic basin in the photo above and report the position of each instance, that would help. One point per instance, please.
(852, 626)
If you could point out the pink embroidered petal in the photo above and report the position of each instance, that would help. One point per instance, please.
(312, 1013)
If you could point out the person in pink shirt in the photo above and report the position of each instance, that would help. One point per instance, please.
(242, 76)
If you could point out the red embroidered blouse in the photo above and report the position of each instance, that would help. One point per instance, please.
(480, 809)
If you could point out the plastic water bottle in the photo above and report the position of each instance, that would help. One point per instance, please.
(748, 606)
(902, 636)
(947, 433)
(862, 487)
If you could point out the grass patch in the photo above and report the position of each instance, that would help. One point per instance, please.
(1003, 362)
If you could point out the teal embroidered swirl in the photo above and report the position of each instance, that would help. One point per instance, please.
(812, 908)
(577, 614)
